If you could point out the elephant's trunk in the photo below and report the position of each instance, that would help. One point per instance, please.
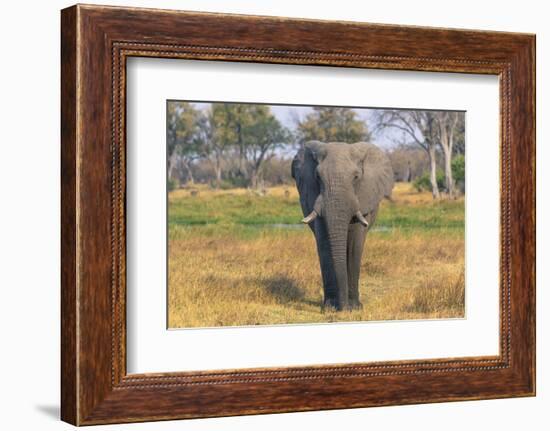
(337, 222)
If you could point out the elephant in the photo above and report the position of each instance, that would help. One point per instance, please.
(341, 186)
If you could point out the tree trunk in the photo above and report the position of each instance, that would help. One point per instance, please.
(171, 164)
(447, 124)
(170, 168)
(449, 182)
(433, 172)
(242, 152)
(255, 172)
(218, 168)
(190, 179)
(254, 178)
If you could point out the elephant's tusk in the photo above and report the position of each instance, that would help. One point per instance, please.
(312, 216)
(361, 219)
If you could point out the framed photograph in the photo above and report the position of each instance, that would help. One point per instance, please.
(264, 214)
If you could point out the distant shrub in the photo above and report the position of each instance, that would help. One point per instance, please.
(458, 166)
(423, 183)
(225, 185)
(173, 184)
(237, 181)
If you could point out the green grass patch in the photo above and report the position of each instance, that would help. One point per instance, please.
(246, 209)
(244, 214)
(433, 215)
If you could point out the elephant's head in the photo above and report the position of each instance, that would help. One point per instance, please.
(341, 184)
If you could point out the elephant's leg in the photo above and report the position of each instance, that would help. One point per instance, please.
(330, 290)
(356, 241)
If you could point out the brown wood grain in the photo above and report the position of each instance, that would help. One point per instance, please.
(68, 217)
(96, 41)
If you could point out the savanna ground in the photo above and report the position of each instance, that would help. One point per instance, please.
(239, 258)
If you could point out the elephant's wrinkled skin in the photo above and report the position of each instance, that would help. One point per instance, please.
(341, 186)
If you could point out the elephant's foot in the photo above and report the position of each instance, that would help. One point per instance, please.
(336, 304)
(330, 304)
(355, 304)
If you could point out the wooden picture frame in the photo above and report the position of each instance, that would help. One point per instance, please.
(95, 43)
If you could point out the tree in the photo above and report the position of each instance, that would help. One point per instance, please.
(459, 172)
(459, 147)
(184, 139)
(332, 125)
(173, 124)
(238, 119)
(229, 125)
(421, 128)
(264, 135)
(220, 134)
(251, 131)
(446, 123)
(225, 129)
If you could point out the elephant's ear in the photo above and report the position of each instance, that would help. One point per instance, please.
(303, 172)
(317, 150)
(377, 178)
(296, 166)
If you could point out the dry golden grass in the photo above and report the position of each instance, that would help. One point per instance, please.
(232, 276)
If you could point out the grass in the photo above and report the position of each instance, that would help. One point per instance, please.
(238, 206)
(239, 258)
